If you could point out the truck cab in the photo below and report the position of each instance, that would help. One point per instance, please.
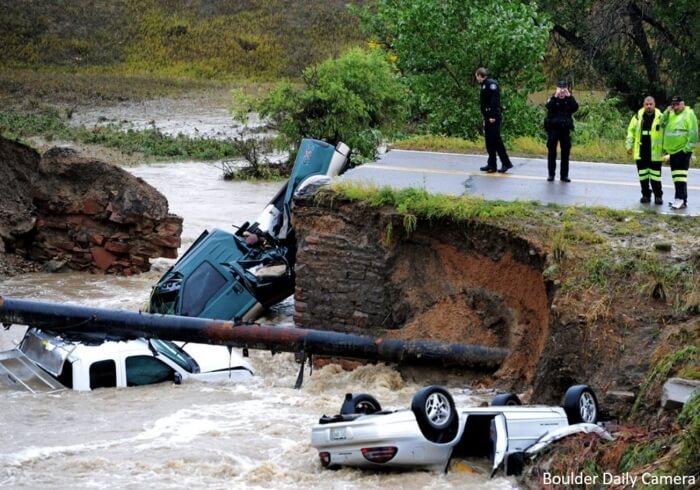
(46, 362)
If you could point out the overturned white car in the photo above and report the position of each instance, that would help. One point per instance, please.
(433, 431)
(47, 362)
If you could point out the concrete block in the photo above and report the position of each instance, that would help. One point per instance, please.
(677, 391)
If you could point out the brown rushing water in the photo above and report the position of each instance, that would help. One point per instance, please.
(253, 435)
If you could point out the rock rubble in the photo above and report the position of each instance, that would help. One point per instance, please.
(71, 211)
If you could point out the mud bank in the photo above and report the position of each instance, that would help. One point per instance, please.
(359, 270)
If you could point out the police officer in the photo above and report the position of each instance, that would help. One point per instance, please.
(644, 139)
(558, 124)
(680, 138)
(491, 110)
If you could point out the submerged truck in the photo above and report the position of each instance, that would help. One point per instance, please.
(236, 276)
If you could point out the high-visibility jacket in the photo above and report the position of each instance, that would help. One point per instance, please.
(680, 131)
(634, 135)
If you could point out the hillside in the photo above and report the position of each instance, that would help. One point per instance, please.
(196, 38)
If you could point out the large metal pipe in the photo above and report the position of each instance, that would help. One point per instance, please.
(67, 319)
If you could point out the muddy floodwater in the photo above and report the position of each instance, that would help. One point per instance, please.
(253, 435)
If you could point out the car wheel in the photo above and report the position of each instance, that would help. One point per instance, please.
(435, 413)
(505, 400)
(581, 405)
(362, 403)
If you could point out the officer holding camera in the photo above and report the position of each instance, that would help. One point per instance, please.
(558, 124)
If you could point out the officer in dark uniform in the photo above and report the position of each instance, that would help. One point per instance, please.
(491, 110)
(558, 125)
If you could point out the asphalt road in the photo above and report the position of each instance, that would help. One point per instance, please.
(592, 184)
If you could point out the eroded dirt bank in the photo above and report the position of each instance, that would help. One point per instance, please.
(577, 296)
(62, 209)
(359, 270)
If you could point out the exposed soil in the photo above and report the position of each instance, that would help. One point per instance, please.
(459, 283)
(471, 298)
(491, 285)
(616, 310)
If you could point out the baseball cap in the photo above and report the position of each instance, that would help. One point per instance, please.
(562, 83)
(676, 99)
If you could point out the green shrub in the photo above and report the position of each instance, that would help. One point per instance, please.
(598, 119)
(354, 99)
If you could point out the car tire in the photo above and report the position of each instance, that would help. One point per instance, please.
(362, 403)
(505, 400)
(581, 405)
(435, 413)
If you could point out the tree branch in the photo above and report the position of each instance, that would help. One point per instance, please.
(654, 23)
(640, 40)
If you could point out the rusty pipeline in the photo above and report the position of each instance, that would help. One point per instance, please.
(82, 320)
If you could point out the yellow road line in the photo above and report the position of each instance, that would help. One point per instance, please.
(503, 176)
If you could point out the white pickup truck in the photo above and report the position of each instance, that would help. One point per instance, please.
(47, 362)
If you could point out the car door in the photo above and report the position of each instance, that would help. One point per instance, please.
(499, 438)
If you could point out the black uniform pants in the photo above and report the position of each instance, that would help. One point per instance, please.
(680, 162)
(562, 137)
(494, 143)
(650, 173)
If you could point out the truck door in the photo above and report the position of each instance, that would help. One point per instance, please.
(499, 438)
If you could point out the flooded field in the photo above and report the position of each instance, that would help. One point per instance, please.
(253, 435)
(200, 117)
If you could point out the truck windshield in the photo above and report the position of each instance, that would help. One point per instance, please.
(175, 354)
(200, 287)
(39, 348)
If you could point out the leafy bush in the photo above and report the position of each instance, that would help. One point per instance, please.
(355, 99)
(596, 119)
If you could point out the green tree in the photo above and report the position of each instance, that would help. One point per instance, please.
(439, 45)
(354, 99)
(635, 47)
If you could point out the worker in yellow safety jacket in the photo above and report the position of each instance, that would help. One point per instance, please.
(645, 139)
(680, 138)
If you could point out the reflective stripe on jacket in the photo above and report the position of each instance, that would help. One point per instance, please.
(680, 131)
(634, 135)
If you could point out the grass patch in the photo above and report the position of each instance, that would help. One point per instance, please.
(224, 39)
(690, 372)
(150, 142)
(688, 462)
(421, 204)
(37, 89)
(15, 126)
(645, 453)
(447, 144)
(652, 276)
(265, 172)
